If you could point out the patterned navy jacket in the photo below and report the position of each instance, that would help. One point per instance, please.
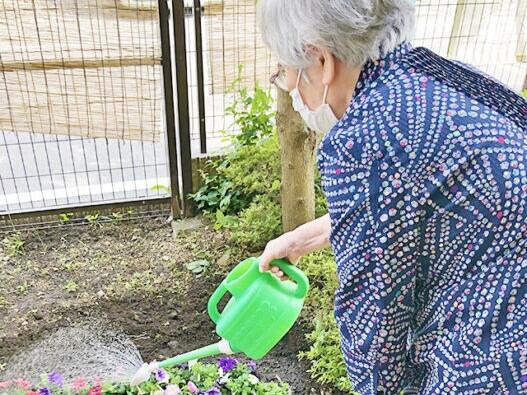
(426, 182)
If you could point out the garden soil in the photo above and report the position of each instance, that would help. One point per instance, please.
(133, 275)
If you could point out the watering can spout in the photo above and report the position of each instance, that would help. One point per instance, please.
(146, 370)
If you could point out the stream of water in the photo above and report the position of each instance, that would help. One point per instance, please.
(90, 350)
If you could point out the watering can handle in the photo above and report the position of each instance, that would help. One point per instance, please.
(213, 302)
(294, 274)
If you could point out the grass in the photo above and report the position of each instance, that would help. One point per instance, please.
(13, 245)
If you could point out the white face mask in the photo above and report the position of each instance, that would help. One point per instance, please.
(322, 119)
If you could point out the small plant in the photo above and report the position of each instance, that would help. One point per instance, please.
(3, 302)
(198, 267)
(22, 288)
(117, 216)
(71, 286)
(253, 115)
(228, 376)
(92, 218)
(14, 245)
(65, 217)
(224, 221)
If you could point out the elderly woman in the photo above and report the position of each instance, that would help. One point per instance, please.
(423, 164)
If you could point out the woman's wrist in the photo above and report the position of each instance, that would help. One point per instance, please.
(310, 236)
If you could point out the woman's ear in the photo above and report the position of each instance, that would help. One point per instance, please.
(328, 66)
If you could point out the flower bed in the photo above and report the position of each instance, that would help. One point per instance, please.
(228, 376)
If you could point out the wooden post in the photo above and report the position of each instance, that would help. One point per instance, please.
(297, 151)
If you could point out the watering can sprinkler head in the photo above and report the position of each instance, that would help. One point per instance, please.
(144, 373)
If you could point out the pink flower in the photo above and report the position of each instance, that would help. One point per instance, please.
(78, 384)
(32, 393)
(192, 387)
(5, 384)
(95, 390)
(23, 383)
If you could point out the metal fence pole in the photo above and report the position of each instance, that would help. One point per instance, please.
(169, 107)
(201, 87)
(178, 8)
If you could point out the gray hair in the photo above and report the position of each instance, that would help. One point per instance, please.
(354, 30)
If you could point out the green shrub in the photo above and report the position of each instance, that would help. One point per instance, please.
(324, 355)
(218, 192)
(256, 169)
(257, 224)
(231, 183)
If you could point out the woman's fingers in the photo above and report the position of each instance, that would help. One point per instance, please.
(275, 270)
(267, 256)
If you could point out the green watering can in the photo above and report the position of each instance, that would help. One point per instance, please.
(258, 315)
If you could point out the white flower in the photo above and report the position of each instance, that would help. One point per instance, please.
(224, 379)
(172, 389)
(253, 379)
(157, 392)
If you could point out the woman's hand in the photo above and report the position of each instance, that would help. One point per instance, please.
(284, 246)
(293, 245)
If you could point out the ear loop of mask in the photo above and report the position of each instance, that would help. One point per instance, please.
(325, 94)
(326, 87)
(298, 78)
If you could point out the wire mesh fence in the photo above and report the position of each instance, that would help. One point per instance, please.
(82, 98)
(490, 34)
(80, 88)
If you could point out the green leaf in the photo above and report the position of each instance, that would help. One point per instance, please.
(198, 266)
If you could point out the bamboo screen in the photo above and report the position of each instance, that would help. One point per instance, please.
(85, 68)
(491, 34)
(233, 40)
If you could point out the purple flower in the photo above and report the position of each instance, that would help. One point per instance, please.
(213, 391)
(56, 378)
(161, 375)
(252, 366)
(44, 391)
(227, 364)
